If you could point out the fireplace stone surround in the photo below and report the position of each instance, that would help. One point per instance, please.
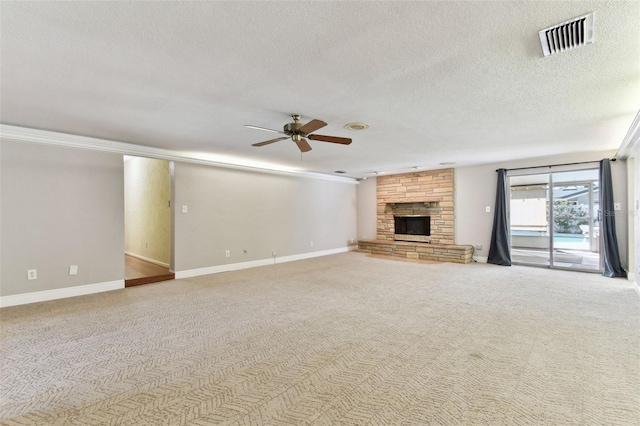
(425, 193)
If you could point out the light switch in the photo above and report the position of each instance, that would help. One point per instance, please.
(184, 209)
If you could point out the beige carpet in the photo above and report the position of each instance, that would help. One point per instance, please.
(344, 339)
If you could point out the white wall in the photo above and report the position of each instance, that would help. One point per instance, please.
(258, 213)
(476, 187)
(60, 207)
(367, 205)
(64, 206)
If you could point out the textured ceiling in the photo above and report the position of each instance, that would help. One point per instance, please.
(460, 82)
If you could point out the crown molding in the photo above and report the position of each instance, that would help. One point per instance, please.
(631, 139)
(24, 134)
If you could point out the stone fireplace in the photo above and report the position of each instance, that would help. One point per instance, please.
(426, 194)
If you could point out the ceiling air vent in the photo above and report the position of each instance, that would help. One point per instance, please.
(567, 35)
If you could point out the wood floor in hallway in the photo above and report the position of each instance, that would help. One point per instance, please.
(138, 272)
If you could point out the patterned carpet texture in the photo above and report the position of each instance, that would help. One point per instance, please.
(337, 340)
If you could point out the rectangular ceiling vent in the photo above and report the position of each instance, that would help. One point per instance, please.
(567, 35)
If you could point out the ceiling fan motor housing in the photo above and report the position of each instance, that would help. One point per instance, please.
(292, 128)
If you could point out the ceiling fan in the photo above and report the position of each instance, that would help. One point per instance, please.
(298, 132)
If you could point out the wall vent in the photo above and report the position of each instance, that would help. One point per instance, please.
(567, 35)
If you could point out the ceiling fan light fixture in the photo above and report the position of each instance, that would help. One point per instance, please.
(356, 126)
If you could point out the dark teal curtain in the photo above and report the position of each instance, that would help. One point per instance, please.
(500, 252)
(607, 218)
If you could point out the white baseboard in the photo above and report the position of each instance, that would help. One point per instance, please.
(189, 273)
(481, 259)
(146, 259)
(59, 293)
(255, 263)
(303, 256)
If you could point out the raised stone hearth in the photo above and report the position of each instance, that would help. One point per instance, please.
(422, 251)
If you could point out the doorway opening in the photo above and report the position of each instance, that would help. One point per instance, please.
(553, 219)
(148, 220)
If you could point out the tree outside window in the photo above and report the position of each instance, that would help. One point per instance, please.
(568, 216)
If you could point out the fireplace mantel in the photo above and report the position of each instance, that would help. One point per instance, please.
(429, 206)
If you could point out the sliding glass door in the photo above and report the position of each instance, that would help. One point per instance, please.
(529, 219)
(553, 220)
(576, 234)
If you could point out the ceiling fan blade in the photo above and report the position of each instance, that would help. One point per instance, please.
(303, 145)
(312, 126)
(332, 139)
(249, 126)
(270, 141)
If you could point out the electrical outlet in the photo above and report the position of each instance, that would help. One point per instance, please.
(311, 243)
(184, 209)
(478, 246)
(617, 206)
(273, 253)
(487, 209)
(73, 270)
(227, 253)
(32, 274)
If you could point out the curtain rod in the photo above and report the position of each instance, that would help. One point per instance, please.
(555, 165)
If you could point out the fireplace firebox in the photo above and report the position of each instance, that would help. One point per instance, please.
(412, 228)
